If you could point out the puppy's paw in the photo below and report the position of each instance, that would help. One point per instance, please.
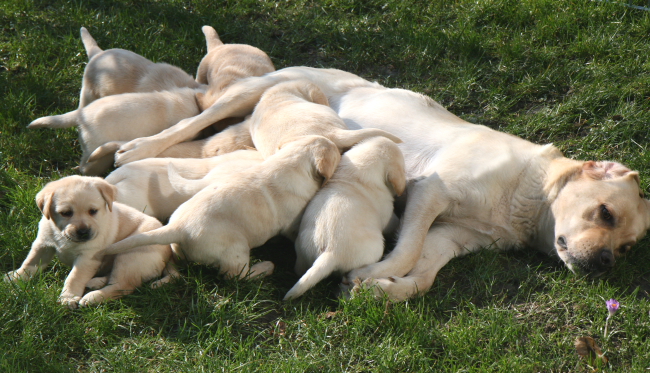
(91, 299)
(262, 269)
(97, 283)
(17, 275)
(136, 150)
(70, 301)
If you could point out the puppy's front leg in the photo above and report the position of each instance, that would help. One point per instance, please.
(39, 257)
(83, 270)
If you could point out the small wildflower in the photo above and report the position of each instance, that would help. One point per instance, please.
(612, 306)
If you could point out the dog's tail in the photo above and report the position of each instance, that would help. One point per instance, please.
(161, 236)
(186, 187)
(322, 267)
(348, 138)
(89, 43)
(211, 37)
(66, 120)
(105, 149)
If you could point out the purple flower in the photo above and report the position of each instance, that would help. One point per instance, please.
(612, 306)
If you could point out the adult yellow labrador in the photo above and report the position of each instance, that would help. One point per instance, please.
(470, 186)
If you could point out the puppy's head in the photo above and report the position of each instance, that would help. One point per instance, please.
(301, 88)
(78, 206)
(323, 153)
(600, 213)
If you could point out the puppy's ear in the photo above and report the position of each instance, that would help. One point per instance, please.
(44, 200)
(396, 176)
(204, 100)
(604, 170)
(316, 95)
(108, 192)
(326, 159)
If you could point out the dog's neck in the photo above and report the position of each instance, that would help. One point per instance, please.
(557, 172)
(539, 185)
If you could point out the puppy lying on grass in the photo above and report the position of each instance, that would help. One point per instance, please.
(116, 71)
(220, 224)
(121, 118)
(342, 226)
(79, 221)
(146, 185)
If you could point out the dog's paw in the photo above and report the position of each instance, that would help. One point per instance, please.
(136, 150)
(70, 301)
(97, 283)
(91, 299)
(17, 275)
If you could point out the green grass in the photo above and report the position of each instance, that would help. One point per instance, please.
(575, 73)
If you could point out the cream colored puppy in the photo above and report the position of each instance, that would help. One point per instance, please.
(225, 64)
(79, 221)
(220, 224)
(116, 71)
(300, 108)
(341, 228)
(120, 118)
(146, 185)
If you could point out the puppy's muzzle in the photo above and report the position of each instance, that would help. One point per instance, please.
(82, 234)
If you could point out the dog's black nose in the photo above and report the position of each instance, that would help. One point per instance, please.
(607, 258)
(561, 242)
(83, 233)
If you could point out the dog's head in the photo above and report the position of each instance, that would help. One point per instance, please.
(77, 205)
(323, 153)
(600, 213)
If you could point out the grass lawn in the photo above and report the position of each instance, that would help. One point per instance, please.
(575, 73)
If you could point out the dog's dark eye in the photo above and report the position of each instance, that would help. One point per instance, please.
(92, 211)
(66, 213)
(605, 214)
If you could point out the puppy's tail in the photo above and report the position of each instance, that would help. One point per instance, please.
(56, 121)
(89, 43)
(161, 236)
(186, 187)
(105, 149)
(211, 37)
(348, 138)
(322, 267)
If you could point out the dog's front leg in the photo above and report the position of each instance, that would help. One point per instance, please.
(39, 257)
(83, 270)
(426, 199)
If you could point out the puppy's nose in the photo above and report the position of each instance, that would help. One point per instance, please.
(607, 258)
(561, 241)
(83, 233)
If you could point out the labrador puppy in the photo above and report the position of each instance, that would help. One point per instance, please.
(468, 186)
(116, 71)
(122, 117)
(80, 219)
(342, 226)
(150, 187)
(224, 64)
(221, 223)
(300, 108)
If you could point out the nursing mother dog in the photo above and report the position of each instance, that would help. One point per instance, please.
(469, 186)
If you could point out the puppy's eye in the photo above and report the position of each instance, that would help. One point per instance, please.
(92, 212)
(66, 213)
(605, 214)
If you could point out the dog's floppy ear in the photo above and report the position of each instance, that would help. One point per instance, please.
(396, 176)
(108, 192)
(316, 95)
(326, 158)
(44, 200)
(604, 170)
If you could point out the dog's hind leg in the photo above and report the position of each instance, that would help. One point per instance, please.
(170, 273)
(426, 199)
(443, 243)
